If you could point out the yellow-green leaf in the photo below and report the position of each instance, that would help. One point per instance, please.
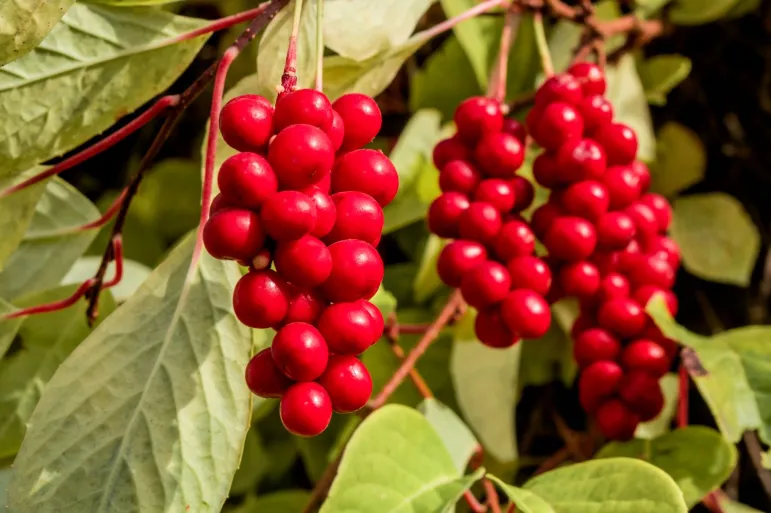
(680, 159)
(24, 24)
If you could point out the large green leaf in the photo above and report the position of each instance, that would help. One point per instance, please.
(98, 64)
(613, 485)
(16, 213)
(485, 381)
(25, 24)
(398, 456)
(669, 384)
(150, 412)
(44, 342)
(8, 328)
(717, 238)
(457, 437)
(525, 500)
(730, 506)
(662, 73)
(427, 280)
(5, 480)
(698, 458)
(680, 159)
(49, 247)
(696, 12)
(415, 145)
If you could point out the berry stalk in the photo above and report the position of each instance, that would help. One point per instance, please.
(319, 45)
(497, 87)
(289, 77)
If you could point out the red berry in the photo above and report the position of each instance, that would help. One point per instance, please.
(559, 123)
(499, 154)
(571, 239)
(661, 209)
(666, 249)
(357, 271)
(261, 299)
(582, 323)
(559, 88)
(288, 215)
(589, 76)
(546, 172)
(486, 284)
(596, 111)
(526, 313)
(348, 328)
(457, 259)
(246, 122)
(529, 272)
(347, 382)
(615, 230)
(325, 184)
(650, 270)
(629, 256)
(367, 171)
(304, 305)
(476, 117)
(302, 107)
(263, 377)
(480, 222)
(246, 180)
(616, 421)
(579, 279)
(459, 176)
(492, 331)
(524, 193)
(300, 351)
(598, 381)
(515, 128)
(514, 239)
(361, 117)
(642, 393)
(358, 217)
(644, 294)
(579, 159)
(613, 285)
(218, 203)
(619, 141)
(587, 199)
(605, 260)
(543, 217)
(306, 409)
(647, 356)
(646, 225)
(448, 150)
(326, 214)
(622, 316)
(305, 262)
(335, 131)
(595, 345)
(623, 186)
(643, 174)
(497, 192)
(233, 234)
(377, 317)
(301, 155)
(445, 212)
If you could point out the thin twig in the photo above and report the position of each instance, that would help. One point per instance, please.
(756, 455)
(554, 461)
(446, 25)
(321, 488)
(571, 438)
(473, 503)
(392, 335)
(497, 87)
(319, 45)
(289, 77)
(493, 502)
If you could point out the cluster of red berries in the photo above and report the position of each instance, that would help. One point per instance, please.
(607, 245)
(492, 258)
(302, 195)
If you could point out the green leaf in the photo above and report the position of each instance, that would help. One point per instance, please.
(680, 159)
(660, 425)
(427, 280)
(526, 501)
(630, 104)
(457, 437)
(45, 341)
(696, 12)
(25, 24)
(285, 501)
(271, 55)
(742, 8)
(415, 145)
(253, 466)
(385, 301)
(5, 481)
(319, 451)
(154, 400)
(132, 3)
(613, 485)
(396, 454)
(51, 243)
(16, 213)
(97, 65)
(474, 38)
(8, 328)
(485, 381)
(662, 73)
(729, 506)
(134, 274)
(649, 7)
(698, 458)
(716, 236)
(361, 29)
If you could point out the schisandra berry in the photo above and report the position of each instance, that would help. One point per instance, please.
(457, 259)
(515, 128)
(615, 230)
(619, 141)
(497, 192)
(218, 203)
(579, 159)
(261, 299)
(305, 262)
(335, 131)
(445, 212)
(529, 272)
(359, 216)
(543, 217)
(545, 170)
(306, 409)
(617, 421)
(661, 209)
(647, 356)
(377, 316)
(304, 305)
(559, 88)
(233, 234)
(246, 123)
(514, 239)
(348, 328)
(642, 393)
(499, 154)
(361, 118)
(571, 238)
(367, 171)
(587, 199)
(459, 176)
(623, 186)
(448, 150)
(640, 169)
(347, 382)
(645, 222)
(524, 193)
(357, 271)
(598, 381)
(557, 124)
(288, 215)
(246, 180)
(264, 378)
(580, 279)
(485, 285)
(476, 117)
(590, 76)
(645, 293)
(326, 213)
(622, 316)
(595, 345)
(526, 313)
(301, 155)
(303, 106)
(596, 111)
(649, 270)
(481, 222)
(492, 331)
(613, 285)
(300, 351)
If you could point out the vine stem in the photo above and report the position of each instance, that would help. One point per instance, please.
(493, 502)
(319, 45)
(446, 25)
(392, 332)
(682, 404)
(497, 87)
(289, 77)
(543, 46)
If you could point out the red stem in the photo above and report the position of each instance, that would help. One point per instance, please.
(117, 252)
(222, 23)
(682, 405)
(55, 305)
(497, 86)
(473, 503)
(108, 214)
(492, 496)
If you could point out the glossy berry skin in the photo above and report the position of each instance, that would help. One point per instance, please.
(641, 392)
(590, 76)
(587, 199)
(661, 209)
(619, 141)
(326, 213)
(348, 328)
(246, 180)
(246, 123)
(595, 345)
(650, 270)
(623, 186)
(335, 131)
(261, 299)
(666, 249)
(515, 128)
(571, 239)
(485, 285)
(615, 230)
(305, 409)
(616, 421)
(300, 351)
(300, 156)
(596, 111)
(526, 313)
(646, 356)
(448, 150)
(629, 257)
(499, 154)
(497, 192)
(580, 159)
(514, 239)
(646, 224)
(361, 118)
(304, 305)
(559, 88)
(305, 262)
(476, 117)
(367, 171)
(622, 316)
(358, 217)
(644, 294)
(218, 203)
(543, 217)
(457, 259)
(580, 279)
(613, 285)
(303, 106)
(640, 169)
(545, 170)
(459, 176)
(288, 215)
(378, 322)
(233, 234)
(558, 124)
(357, 271)
(444, 214)
(598, 381)
(263, 377)
(480, 222)
(492, 331)
(529, 272)
(524, 193)
(347, 382)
